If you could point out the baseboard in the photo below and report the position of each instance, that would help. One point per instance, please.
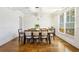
(66, 42)
(6, 40)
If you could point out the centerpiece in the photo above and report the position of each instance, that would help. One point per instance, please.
(37, 26)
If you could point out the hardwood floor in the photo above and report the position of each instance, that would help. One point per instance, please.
(58, 45)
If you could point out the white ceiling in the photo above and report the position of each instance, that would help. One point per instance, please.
(48, 9)
(40, 9)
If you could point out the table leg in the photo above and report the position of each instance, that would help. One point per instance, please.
(49, 38)
(24, 38)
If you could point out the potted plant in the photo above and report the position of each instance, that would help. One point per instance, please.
(37, 26)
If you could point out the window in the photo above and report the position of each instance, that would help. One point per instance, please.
(67, 25)
(61, 28)
(70, 22)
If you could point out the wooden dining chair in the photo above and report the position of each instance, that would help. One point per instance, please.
(44, 35)
(52, 32)
(28, 36)
(36, 35)
(21, 35)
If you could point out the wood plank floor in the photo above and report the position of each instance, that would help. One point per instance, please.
(58, 45)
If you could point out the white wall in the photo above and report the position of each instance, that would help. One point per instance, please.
(9, 23)
(45, 20)
(77, 26)
(73, 40)
(29, 21)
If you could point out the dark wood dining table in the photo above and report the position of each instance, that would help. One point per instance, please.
(49, 34)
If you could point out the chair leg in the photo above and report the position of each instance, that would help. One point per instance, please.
(49, 41)
(33, 40)
(28, 40)
(46, 40)
(40, 39)
(24, 40)
(19, 38)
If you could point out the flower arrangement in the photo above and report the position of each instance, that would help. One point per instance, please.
(37, 26)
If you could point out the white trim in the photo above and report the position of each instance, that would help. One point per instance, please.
(65, 23)
(4, 41)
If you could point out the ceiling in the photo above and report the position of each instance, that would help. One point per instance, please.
(39, 9)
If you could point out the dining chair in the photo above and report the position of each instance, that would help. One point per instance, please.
(44, 35)
(21, 35)
(35, 35)
(28, 36)
(52, 32)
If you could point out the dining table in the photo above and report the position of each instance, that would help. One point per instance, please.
(49, 33)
